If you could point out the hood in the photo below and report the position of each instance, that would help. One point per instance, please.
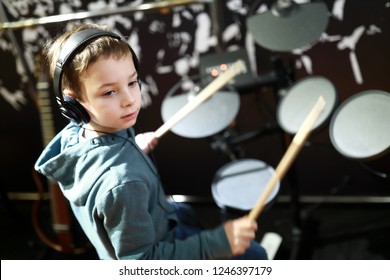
(77, 166)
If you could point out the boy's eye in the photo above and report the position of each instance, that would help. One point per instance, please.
(133, 83)
(108, 93)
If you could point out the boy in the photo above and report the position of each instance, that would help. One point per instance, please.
(112, 186)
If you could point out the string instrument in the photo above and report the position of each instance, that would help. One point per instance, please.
(61, 216)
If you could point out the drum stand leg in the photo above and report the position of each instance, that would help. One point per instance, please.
(297, 232)
(220, 143)
(229, 141)
(304, 228)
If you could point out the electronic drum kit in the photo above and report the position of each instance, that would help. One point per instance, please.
(359, 127)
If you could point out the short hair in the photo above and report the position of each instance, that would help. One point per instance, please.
(102, 47)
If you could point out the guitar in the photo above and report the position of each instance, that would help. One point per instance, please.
(61, 216)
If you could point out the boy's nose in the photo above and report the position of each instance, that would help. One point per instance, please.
(128, 97)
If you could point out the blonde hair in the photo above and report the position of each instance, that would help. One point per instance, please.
(102, 47)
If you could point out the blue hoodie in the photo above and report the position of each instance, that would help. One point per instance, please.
(116, 195)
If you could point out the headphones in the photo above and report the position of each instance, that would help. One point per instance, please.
(70, 107)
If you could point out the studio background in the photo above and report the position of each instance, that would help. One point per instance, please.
(169, 44)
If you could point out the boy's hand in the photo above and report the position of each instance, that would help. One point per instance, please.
(146, 141)
(239, 233)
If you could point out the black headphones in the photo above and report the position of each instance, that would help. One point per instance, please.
(69, 107)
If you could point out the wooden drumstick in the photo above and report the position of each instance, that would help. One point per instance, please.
(289, 156)
(235, 69)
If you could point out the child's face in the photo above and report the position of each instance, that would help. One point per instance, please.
(111, 94)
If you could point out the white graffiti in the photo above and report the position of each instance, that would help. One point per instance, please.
(350, 42)
(345, 42)
(203, 38)
(188, 31)
(15, 99)
(150, 86)
(338, 9)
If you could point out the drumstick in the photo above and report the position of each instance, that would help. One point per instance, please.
(289, 156)
(235, 69)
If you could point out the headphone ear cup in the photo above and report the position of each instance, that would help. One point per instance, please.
(72, 109)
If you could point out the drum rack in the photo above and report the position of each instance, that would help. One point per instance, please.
(305, 199)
